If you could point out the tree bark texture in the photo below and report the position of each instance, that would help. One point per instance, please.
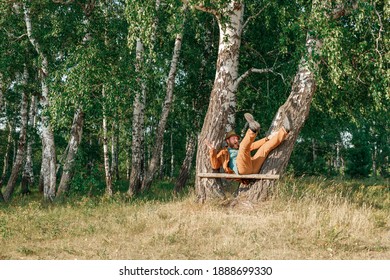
(7, 154)
(73, 145)
(21, 143)
(28, 173)
(1, 93)
(115, 150)
(49, 153)
(184, 174)
(107, 168)
(297, 108)
(220, 114)
(137, 156)
(156, 153)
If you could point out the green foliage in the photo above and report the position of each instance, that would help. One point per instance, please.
(90, 46)
(89, 173)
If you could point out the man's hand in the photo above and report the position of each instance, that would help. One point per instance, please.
(209, 144)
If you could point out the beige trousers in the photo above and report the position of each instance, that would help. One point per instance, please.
(248, 164)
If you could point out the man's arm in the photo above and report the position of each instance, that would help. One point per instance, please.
(215, 159)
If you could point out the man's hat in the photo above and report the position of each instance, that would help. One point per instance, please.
(230, 134)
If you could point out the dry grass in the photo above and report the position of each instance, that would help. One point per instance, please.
(305, 220)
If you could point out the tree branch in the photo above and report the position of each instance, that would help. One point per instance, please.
(248, 72)
(10, 35)
(67, 2)
(381, 29)
(202, 8)
(254, 16)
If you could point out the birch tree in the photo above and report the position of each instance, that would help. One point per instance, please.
(170, 84)
(297, 105)
(220, 114)
(22, 139)
(49, 152)
(142, 27)
(28, 173)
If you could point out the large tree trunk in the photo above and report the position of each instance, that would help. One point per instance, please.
(73, 145)
(186, 165)
(137, 155)
(28, 173)
(22, 141)
(296, 107)
(158, 143)
(220, 114)
(49, 153)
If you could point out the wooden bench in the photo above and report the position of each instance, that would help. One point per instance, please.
(236, 176)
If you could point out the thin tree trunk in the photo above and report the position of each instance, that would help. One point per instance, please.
(115, 150)
(28, 173)
(137, 173)
(1, 93)
(374, 160)
(137, 151)
(74, 143)
(49, 153)
(220, 113)
(6, 156)
(154, 161)
(172, 157)
(161, 170)
(127, 162)
(314, 149)
(21, 143)
(107, 168)
(338, 161)
(76, 132)
(186, 165)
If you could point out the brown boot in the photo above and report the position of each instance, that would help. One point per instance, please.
(253, 125)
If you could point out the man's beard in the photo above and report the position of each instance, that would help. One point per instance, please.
(234, 146)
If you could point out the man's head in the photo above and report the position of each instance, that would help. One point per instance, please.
(232, 139)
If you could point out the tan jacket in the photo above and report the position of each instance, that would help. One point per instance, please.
(222, 158)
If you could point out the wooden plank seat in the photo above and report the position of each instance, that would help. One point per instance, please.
(236, 176)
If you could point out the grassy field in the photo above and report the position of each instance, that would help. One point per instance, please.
(306, 219)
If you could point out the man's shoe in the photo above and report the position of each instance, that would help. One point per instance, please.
(287, 124)
(253, 125)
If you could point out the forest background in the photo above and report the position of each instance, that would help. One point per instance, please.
(108, 98)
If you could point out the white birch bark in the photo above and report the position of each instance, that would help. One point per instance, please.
(172, 157)
(28, 173)
(296, 107)
(1, 93)
(76, 131)
(156, 153)
(49, 153)
(220, 114)
(22, 140)
(106, 156)
(137, 155)
(115, 150)
(73, 145)
(7, 154)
